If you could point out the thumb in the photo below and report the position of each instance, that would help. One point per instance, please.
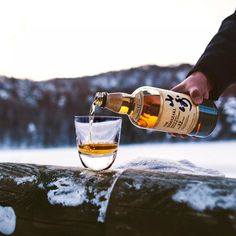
(196, 96)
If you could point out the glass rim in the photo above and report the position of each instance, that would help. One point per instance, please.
(108, 117)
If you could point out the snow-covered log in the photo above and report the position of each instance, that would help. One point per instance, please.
(50, 200)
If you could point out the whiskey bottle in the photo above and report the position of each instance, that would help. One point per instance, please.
(162, 110)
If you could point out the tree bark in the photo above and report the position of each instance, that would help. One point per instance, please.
(50, 200)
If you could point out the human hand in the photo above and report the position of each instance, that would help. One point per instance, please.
(197, 87)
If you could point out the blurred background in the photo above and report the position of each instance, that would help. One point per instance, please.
(55, 55)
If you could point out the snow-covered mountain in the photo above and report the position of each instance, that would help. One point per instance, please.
(40, 114)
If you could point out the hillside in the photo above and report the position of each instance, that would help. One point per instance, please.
(40, 114)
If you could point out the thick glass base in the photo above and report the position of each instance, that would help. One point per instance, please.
(97, 162)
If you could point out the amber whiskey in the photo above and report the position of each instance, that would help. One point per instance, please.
(97, 148)
(162, 110)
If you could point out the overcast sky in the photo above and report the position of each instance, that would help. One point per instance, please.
(70, 38)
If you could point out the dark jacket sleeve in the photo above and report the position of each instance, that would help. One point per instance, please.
(218, 62)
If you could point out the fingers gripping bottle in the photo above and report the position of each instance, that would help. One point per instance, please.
(162, 110)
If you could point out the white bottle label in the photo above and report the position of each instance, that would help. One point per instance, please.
(178, 113)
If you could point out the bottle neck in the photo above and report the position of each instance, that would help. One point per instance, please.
(117, 102)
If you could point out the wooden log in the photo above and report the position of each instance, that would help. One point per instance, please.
(50, 200)
(155, 203)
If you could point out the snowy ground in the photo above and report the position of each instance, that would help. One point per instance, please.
(220, 156)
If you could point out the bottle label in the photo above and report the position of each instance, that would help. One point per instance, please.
(178, 113)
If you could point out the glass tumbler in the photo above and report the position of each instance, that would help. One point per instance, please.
(97, 143)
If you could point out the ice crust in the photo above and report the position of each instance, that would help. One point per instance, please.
(161, 165)
(67, 192)
(201, 196)
(7, 220)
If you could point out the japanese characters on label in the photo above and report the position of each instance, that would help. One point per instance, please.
(179, 113)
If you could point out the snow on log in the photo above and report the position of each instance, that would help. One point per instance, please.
(52, 200)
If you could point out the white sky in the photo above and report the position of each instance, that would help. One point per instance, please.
(42, 39)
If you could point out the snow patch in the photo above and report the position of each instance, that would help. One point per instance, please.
(67, 192)
(31, 128)
(137, 184)
(23, 180)
(4, 95)
(200, 196)
(181, 75)
(7, 220)
(41, 186)
(62, 101)
(101, 199)
(180, 167)
(230, 111)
